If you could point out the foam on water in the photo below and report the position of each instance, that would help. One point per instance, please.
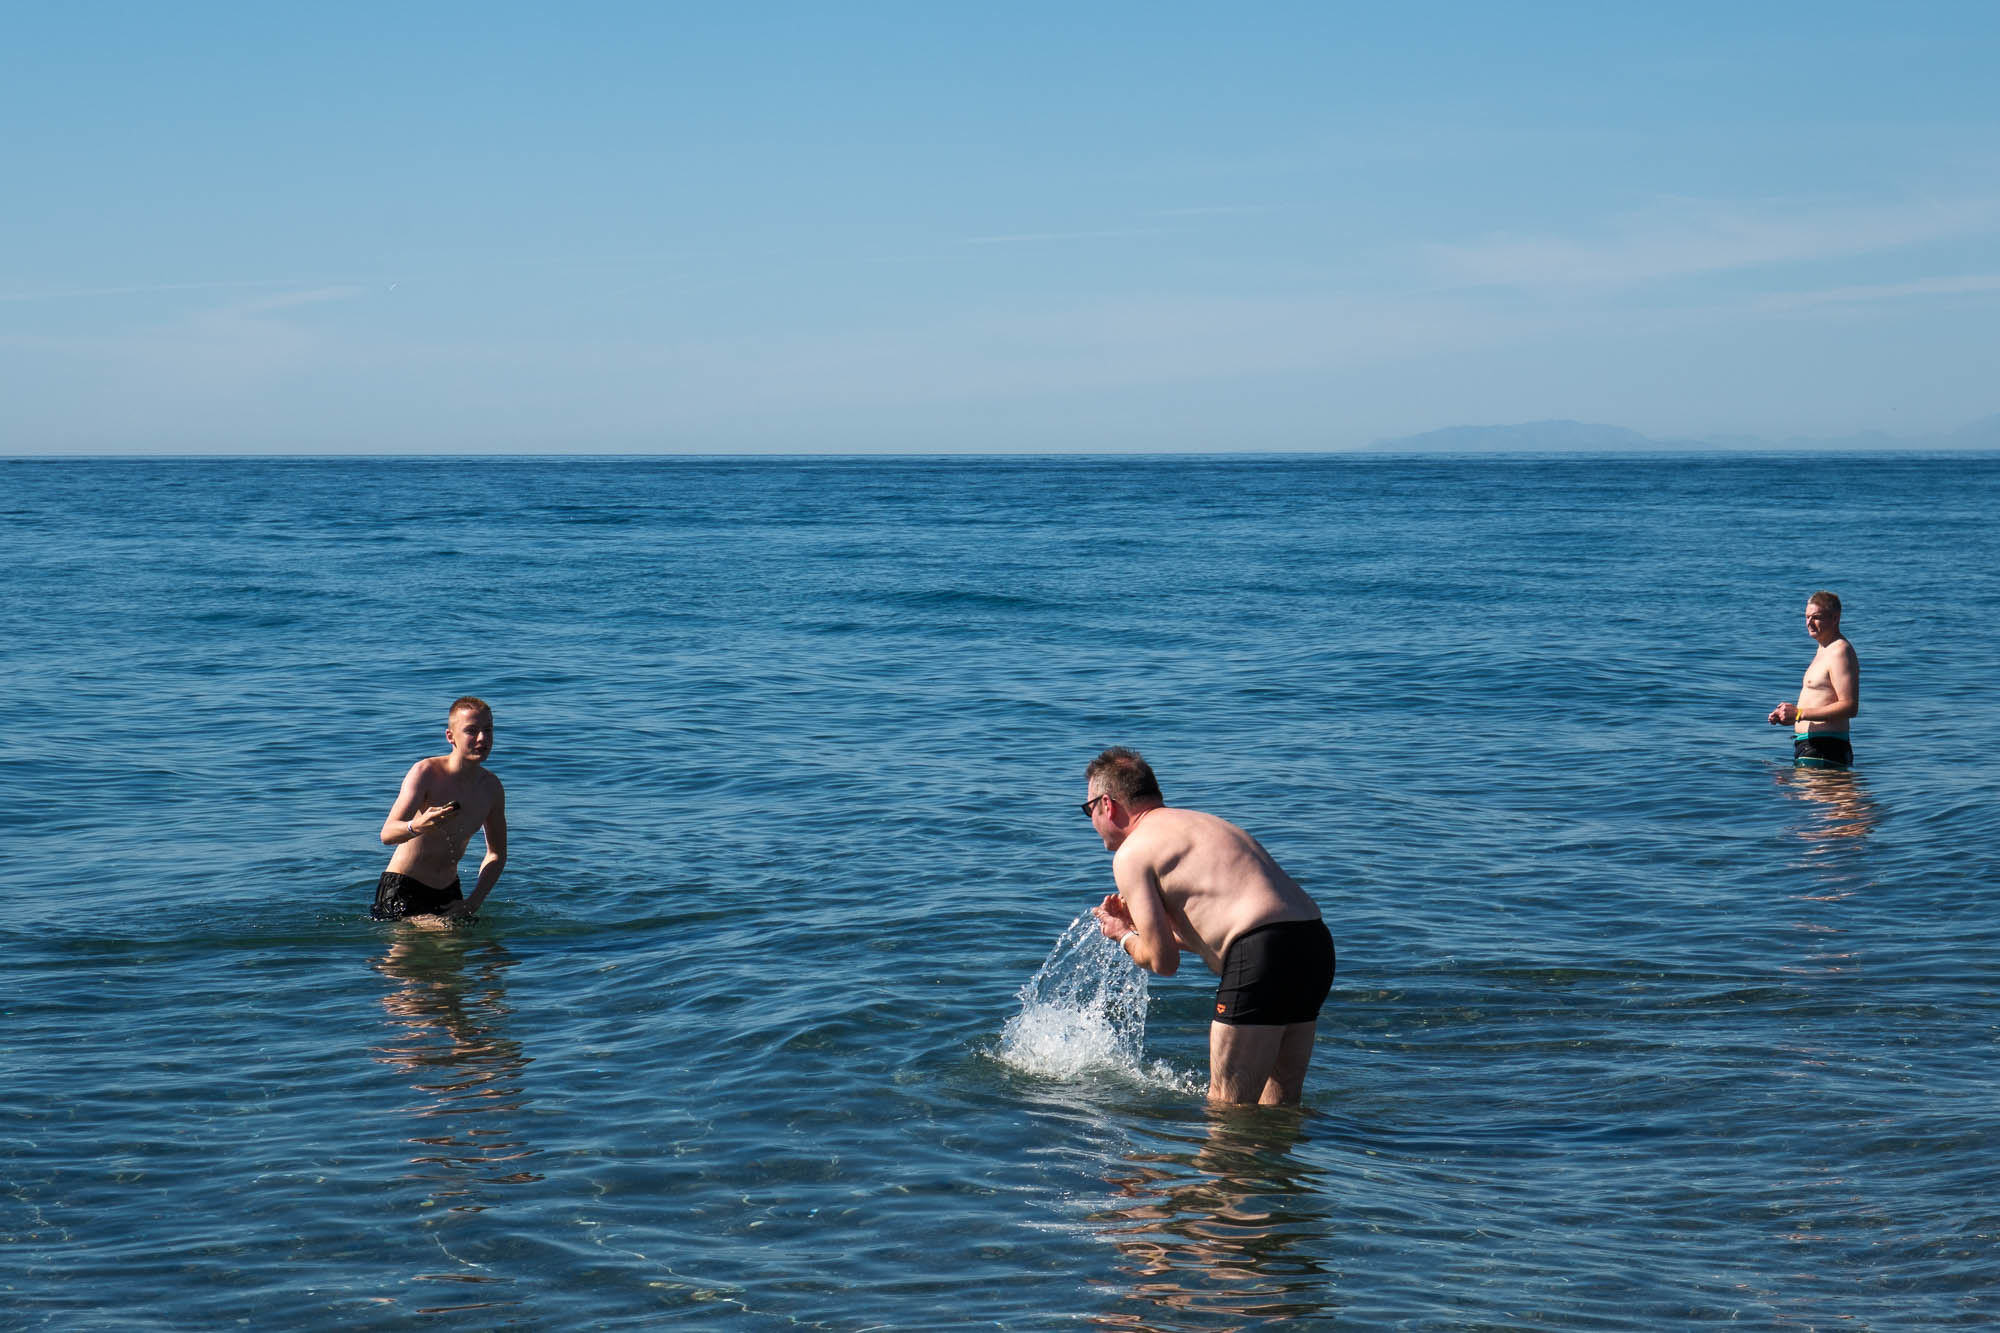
(1083, 1013)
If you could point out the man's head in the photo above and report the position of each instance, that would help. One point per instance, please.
(1120, 785)
(1823, 616)
(1123, 774)
(469, 728)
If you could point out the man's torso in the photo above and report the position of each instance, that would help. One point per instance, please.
(433, 857)
(1216, 880)
(1817, 691)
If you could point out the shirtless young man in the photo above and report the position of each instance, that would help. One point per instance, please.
(1187, 880)
(1830, 696)
(445, 799)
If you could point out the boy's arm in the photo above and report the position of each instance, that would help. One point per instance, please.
(397, 827)
(405, 821)
(492, 863)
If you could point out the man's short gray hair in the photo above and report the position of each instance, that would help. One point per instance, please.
(1123, 775)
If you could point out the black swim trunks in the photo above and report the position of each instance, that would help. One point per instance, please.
(398, 896)
(1822, 749)
(1276, 974)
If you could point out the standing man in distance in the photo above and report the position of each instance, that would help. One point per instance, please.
(1830, 696)
(1187, 880)
(444, 800)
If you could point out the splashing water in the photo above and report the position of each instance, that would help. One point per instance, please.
(1084, 1011)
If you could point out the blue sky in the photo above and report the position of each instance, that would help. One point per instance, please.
(787, 228)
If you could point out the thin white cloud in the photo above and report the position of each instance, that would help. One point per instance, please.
(1039, 237)
(154, 289)
(1211, 211)
(1110, 345)
(1963, 285)
(1689, 238)
(214, 353)
(292, 300)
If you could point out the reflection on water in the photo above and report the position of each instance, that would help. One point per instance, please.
(1210, 1237)
(447, 1016)
(1842, 815)
(1843, 805)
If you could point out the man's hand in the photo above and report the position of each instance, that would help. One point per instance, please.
(426, 820)
(1112, 917)
(1784, 712)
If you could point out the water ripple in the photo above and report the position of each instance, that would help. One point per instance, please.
(1634, 1026)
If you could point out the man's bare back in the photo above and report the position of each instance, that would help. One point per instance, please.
(1216, 881)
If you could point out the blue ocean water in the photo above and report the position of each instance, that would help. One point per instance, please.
(1634, 1026)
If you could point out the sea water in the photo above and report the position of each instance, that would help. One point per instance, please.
(1634, 1027)
(1083, 1014)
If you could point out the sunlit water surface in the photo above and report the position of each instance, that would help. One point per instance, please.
(783, 1015)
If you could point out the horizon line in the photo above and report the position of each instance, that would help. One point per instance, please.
(1637, 451)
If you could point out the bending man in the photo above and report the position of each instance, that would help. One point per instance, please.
(1191, 881)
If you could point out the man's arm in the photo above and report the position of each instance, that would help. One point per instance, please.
(1843, 677)
(492, 863)
(1136, 916)
(401, 825)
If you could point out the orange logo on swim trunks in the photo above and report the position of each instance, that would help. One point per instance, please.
(1221, 1008)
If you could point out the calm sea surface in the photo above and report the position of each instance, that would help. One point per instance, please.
(1634, 1027)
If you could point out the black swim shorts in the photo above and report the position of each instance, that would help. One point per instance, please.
(398, 896)
(1820, 749)
(1276, 974)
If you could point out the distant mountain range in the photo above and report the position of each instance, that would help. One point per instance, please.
(1582, 437)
